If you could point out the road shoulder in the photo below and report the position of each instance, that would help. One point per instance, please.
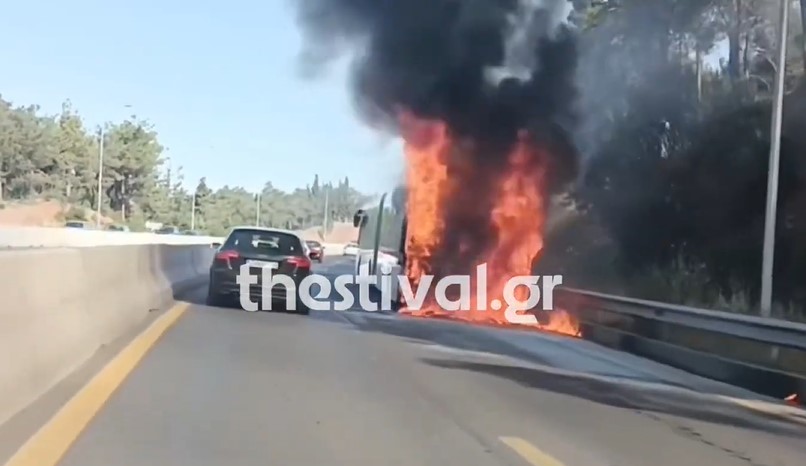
(27, 423)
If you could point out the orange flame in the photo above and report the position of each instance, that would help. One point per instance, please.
(517, 219)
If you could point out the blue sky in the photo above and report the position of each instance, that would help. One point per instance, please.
(218, 80)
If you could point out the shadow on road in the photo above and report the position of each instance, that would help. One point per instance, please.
(612, 390)
(456, 335)
(608, 391)
(633, 398)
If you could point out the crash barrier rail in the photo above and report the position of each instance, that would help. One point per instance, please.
(37, 237)
(60, 305)
(766, 356)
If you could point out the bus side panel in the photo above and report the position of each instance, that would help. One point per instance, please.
(363, 262)
(390, 248)
(390, 270)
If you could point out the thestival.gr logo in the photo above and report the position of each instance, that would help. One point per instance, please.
(540, 292)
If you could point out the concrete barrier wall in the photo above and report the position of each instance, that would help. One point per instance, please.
(35, 237)
(59, 306)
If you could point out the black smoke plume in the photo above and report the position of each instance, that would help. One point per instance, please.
(433, 57)
(437, 59)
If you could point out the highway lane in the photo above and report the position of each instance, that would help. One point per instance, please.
(225, 386)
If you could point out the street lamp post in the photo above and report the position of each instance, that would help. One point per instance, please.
(257, 210)
(324, 216)
(775, 162)
(193, 213)
(123, 183)
(100, 179)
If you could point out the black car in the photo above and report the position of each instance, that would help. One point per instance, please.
(317, 250)
(258, 247)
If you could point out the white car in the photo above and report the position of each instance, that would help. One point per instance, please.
(351, 249)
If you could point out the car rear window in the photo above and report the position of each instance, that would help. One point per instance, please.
(263, 242)
(314, 243)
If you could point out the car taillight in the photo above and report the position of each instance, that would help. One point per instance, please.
(227, 256)
(300, 262)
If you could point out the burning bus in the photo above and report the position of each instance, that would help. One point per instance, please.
(381, 239)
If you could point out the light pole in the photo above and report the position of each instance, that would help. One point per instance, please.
(193, 213)
(100, 179)
(69, 191)
(257, 209)
(324, 218)
(775, 162)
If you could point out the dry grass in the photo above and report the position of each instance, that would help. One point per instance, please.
(43, 214)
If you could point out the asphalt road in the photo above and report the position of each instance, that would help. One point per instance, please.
(228, 387)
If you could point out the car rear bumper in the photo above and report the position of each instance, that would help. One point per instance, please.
(255, 291)
(224, 284)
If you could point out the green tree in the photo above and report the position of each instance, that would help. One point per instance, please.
(57, 157)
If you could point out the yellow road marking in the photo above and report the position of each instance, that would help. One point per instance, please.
(50, 443)
(529, 452)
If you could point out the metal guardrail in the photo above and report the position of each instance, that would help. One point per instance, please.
(767, 356)
(772, 331)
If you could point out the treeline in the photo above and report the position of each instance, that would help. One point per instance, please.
(675, 136)
(299, 209)
(57, 158)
